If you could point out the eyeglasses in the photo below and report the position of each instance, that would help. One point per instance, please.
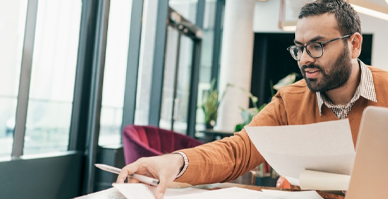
(314, 49)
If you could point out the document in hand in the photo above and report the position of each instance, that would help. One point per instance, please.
(325, 147)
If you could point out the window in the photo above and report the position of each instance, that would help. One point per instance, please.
(52, 76)
(147, 48)
(115, 70)
(187, 8)
(12, 20)
(206, 58)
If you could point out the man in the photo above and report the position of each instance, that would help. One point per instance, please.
(336, 85)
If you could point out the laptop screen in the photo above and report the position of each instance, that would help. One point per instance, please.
(369, 177)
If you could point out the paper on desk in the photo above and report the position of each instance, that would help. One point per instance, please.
(275, 194)
(225, 193)
(142, 191)
(325, 146)
(240, 193)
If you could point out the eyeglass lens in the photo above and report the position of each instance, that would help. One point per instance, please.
(315, 50)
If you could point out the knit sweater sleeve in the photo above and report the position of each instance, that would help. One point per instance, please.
(227, 159)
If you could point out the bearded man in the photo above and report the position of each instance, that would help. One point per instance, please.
(335, 85)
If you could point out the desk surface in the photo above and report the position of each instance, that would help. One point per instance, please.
(112, 193)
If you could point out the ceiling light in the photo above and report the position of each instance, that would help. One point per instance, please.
(371, 12)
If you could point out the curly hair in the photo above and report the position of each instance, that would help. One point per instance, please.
(347, 18)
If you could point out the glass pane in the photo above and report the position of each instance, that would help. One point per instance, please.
(206, 58)
(12, 20)
(145, 63)
(52, 76)
(115, 70)
(187, 8)
(169, 78)
(183, 85)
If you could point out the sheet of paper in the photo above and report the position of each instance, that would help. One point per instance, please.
(142, 191)
(226, 193)
(291, 194)
(325, 146)
(111, 193)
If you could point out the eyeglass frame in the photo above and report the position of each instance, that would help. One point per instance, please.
(322, 44)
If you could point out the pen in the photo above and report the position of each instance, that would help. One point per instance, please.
(141, 178)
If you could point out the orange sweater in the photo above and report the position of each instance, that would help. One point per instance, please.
(226, 159)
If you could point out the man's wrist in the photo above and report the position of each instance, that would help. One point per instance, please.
(185, 163)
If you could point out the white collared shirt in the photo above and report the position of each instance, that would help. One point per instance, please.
(365, 89)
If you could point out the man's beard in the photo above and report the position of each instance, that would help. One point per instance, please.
(338, 74)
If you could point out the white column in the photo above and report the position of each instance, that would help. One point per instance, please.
(236, 61)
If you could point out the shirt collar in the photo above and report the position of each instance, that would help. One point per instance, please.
(366, 87)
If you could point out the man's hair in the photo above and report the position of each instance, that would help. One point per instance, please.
(347, 18)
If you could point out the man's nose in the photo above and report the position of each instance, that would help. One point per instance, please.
(305, 58)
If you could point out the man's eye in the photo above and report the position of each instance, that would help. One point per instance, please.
(314, 46)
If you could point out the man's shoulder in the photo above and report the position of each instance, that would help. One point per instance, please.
(378, 71)
(380, 76)
(294, 98)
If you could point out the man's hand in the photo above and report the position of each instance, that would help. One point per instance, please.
(165, 168)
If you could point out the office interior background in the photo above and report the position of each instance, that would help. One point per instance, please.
(75, 72)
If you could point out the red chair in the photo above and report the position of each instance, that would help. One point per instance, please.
(145, 141)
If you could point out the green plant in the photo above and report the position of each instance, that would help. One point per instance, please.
(287, 80)
(248, 114)
(210, 104)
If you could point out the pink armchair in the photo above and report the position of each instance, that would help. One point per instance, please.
(145, 141)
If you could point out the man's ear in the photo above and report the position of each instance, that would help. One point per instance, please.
(355, 44)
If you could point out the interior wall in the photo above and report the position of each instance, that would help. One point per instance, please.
(378, 28)
(267, 15)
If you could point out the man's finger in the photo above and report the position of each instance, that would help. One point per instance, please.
(125, 172)
(122, 176)
(161, 189)
(133, 180)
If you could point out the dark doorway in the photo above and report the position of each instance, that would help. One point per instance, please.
(272, 62)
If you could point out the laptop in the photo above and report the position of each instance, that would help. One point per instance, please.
(369, 178)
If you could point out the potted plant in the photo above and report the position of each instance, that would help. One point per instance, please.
(248, 114)
(210, 103)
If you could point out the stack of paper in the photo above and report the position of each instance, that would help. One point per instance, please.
(142, 191)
